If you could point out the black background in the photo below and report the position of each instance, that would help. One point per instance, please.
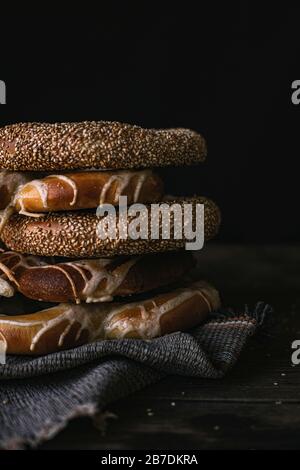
(222, 69)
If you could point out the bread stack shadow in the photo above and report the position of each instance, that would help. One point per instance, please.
(54, 176)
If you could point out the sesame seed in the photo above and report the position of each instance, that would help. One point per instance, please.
(99, 145)
(74, 234)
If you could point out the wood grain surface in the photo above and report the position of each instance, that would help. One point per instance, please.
(256, 406)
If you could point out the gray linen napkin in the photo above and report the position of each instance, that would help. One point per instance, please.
(38, 396)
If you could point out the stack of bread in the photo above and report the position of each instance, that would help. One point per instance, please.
(54, 176)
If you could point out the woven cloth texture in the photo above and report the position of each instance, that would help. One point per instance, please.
(40, 395)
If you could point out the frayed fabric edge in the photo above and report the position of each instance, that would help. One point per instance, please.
(260, 313)
(90, 410)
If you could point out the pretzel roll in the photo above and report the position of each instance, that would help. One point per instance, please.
(10, 182)
(90, 280)
(76, 234)
(87, 189)
(101, 145)
(69, 325)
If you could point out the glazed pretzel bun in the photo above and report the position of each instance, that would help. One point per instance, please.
(74, 234)
(10, 181)
(91, 280)
(101, 145)
(69, 325)
(86, 190)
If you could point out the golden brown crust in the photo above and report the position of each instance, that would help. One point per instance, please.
(68, 325)
(100, 145)
(94, 280)
(10, 181)
(74, 234)
(87, 189)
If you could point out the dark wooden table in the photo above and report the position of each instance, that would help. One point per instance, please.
(257, 406)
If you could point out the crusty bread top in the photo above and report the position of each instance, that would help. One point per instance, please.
(74, 234)
(101, 145)
(89, 280)
(68, 325)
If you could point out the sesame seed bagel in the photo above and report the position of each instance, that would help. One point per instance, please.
(76, 234)
(90, 280)
(100, 145)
